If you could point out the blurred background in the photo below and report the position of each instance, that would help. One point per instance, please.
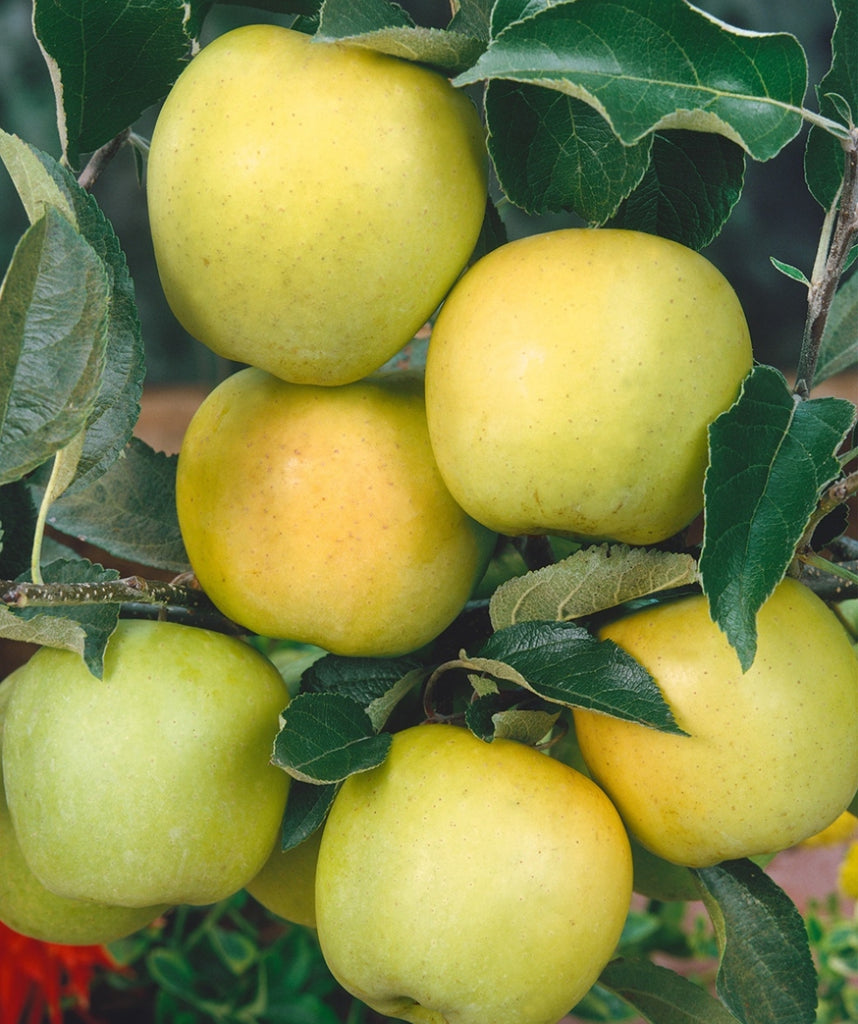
(775, 217)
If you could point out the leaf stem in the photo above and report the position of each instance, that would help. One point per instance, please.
(100, 159)
(837, 238)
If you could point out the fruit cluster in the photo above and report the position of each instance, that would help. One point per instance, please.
(312, 205)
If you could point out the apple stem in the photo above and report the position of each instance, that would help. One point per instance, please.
(100, 159)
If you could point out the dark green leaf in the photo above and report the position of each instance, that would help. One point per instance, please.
(235, 951)
(662, 996)
(97, 621)
(130, 511)
(554, 152)
(839, 349)
(770, 457)
(823, 157)
(306, 808)
(17, 523)
(647, 64)
(110, 62)
(473, 18)
(688, 192)
(766, 975)
(326, 737)
(564, 663)
(343, 18)
(53, 321)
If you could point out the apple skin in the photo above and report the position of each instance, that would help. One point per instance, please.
(771, 755)
(311, 202)
(286, 885)
(584, 366)
(153, 785)
(465, 882)
(318, 514)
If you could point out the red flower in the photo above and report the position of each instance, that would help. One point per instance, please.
(35, 977)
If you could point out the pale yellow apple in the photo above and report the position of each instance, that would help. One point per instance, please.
(571, 379)
(311, 202)
(466, 882)
(286, 885)
(318, 514)
(153, 785)
(771, 755)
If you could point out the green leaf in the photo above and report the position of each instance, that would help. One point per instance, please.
(53, 321)
(307, 807)
(472, 18)
(95, 622)
(340, 19)
(489, 717)
(565, 664)
(688, 192)
(662, 996)
(130, 511)
(770, 456)
(648, 64)
(109, 62)
(554, 152)
(325, 737)
(43, 183)
(376, 684)
(588, 581)
(42, 629)
(839, 349)
(17, 529)
(236, 952)
(824, 157)
(789, 271)
(766, 974)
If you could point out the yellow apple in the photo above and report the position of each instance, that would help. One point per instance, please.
(311, 202)
(318, 514)
(466, 882)
(771, 755)
(154, 784)
(286, 885)
(571, 378)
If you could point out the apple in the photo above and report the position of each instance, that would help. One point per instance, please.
(571, 378)
(286, 885)
(770, 756)
(311, 202)
(27, 907)
(464, 882)
(154, 784)
(318, 514)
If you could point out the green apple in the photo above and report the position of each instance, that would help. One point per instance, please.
(311, 202)
(318, 514)
(771, 755)
(466, 882)
(154, 784)
(26, 906)
(571, 378)
(286, 885)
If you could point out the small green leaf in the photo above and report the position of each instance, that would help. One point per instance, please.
(649, 64)
(766, 974)
(340, 19)
(771, 455)
(130, 511)
(662, 996)
(589, 581)
(53, 321)
(824, 156)
(565, 664)
(235, 951)
(325, 737)
(307, 807)
(110, 62)
(789, 271)
(839, 349)
(688, 192)
(554, 152)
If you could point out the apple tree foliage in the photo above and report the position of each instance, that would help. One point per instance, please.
(633, 113)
